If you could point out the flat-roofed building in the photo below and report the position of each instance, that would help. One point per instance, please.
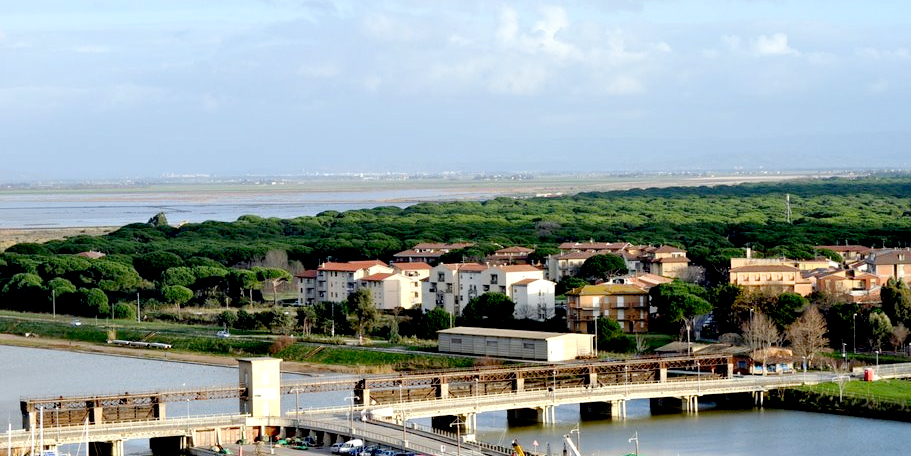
(534, 299)
(516, 344)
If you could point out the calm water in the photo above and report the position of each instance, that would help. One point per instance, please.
(65, 209)
(35, 372)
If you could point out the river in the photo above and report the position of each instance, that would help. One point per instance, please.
(29, 372)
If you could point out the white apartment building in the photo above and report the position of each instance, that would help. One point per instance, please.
(390, 290)
(452, 286)
(534, 299)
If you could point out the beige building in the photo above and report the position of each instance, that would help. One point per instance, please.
(391, 291)
(510, 255)
(413, 270)
(666, 261)
(428, 252)
(889, 263)
(534, 299)
(848, 253)
(306, 286)
(627, 304)
(773, 278)
(509, 343)
(859, 286)
(335, 281)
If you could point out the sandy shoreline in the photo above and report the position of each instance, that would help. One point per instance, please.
(12, 236)
(174, 356)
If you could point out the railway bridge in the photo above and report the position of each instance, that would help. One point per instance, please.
(450, 398)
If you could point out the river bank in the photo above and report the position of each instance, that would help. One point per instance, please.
(160, 355)
(12, 236)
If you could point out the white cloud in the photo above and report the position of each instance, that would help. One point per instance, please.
(893, 54)
(386, 28)
(663, 47)
(543, 37)
(731, 42)
(625, 85)
(776, 44)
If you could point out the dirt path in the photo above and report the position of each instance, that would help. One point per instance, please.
(163, 355)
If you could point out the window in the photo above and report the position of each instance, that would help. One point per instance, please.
(457, 340)
(491, 343)
(493, 278)
(441, 277)
(528, 345)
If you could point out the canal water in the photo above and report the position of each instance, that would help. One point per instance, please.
(27, 372)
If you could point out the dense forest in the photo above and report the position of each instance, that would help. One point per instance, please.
(221, 263)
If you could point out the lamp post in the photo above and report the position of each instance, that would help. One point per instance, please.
(54, 303)
(351, 415)
(635, 438)
(333, 319)
(402, 410)
(458, 425)
(854, 329)
(877, 359)
(578, 437)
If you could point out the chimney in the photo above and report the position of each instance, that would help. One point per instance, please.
(749, 252)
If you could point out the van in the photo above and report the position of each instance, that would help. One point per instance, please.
(350, 446)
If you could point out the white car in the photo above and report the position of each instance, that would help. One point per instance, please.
(223, 334)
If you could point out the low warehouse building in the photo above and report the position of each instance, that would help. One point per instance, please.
(510, 343)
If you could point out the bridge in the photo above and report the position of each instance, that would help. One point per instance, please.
(382, 405)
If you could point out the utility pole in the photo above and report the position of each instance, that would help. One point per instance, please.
(54, 303)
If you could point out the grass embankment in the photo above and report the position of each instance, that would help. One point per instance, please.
(202, 340)
(884, 399)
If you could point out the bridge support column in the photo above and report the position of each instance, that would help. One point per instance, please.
(262, 378)
(690, 404)
(601, 410)
(528, 415)
(467, 423)
(730, 373)
(758, 398)
(443, 391)
(592, 380)
(662, 374)
(167, 445)
(114, 448)
(518, 385)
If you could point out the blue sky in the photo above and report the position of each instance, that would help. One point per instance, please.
(102, 89)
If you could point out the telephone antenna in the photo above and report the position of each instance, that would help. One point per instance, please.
(788, 201)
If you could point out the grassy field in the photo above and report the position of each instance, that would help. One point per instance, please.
(883, 390)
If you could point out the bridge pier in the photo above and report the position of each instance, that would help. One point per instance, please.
(114, 448)
(167, 445)
(467, 423)
(543, 414)
(600, 410)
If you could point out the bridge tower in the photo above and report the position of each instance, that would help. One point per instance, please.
(262, 379)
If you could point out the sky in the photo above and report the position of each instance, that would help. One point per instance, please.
(132, 89)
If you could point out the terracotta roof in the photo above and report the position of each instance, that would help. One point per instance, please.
(518, 268)
(413, 253)
(673, 260)
(441, 246)
(891, 257)
(515, 249)
(473, 267)
(765, 268)
(380, 276)
(593, 245)
(350, 266)
(669, 249)
(576, 255)
(607, 289)
(308, 274)
(526, 281)
(411, 266)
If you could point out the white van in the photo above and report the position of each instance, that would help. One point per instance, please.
(350, 446)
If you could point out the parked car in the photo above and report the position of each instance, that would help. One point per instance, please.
(223, 334)
(352, 446)
(76, 323)
(335, 447)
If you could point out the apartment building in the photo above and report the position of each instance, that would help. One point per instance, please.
(534, 299)
(335, 281)
(627, 304)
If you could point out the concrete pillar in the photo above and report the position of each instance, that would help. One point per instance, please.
(262, 377)
(96, 415)
(595, 410)
(333, 437)
(159, 409)
(114, 448)
(518, 385)
(662, 374)
(592, 379)
(319, 437)
(442, 389)
(730, 370)
(167, 445)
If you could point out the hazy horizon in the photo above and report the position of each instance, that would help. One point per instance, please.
(102, 90)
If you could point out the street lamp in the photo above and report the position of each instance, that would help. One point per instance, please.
(54, 303)
(351, 414)
(578, 437)
(855, 332)
(877, 359)
(458, 425)
(402, 410)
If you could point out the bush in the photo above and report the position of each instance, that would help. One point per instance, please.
(280, 344)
